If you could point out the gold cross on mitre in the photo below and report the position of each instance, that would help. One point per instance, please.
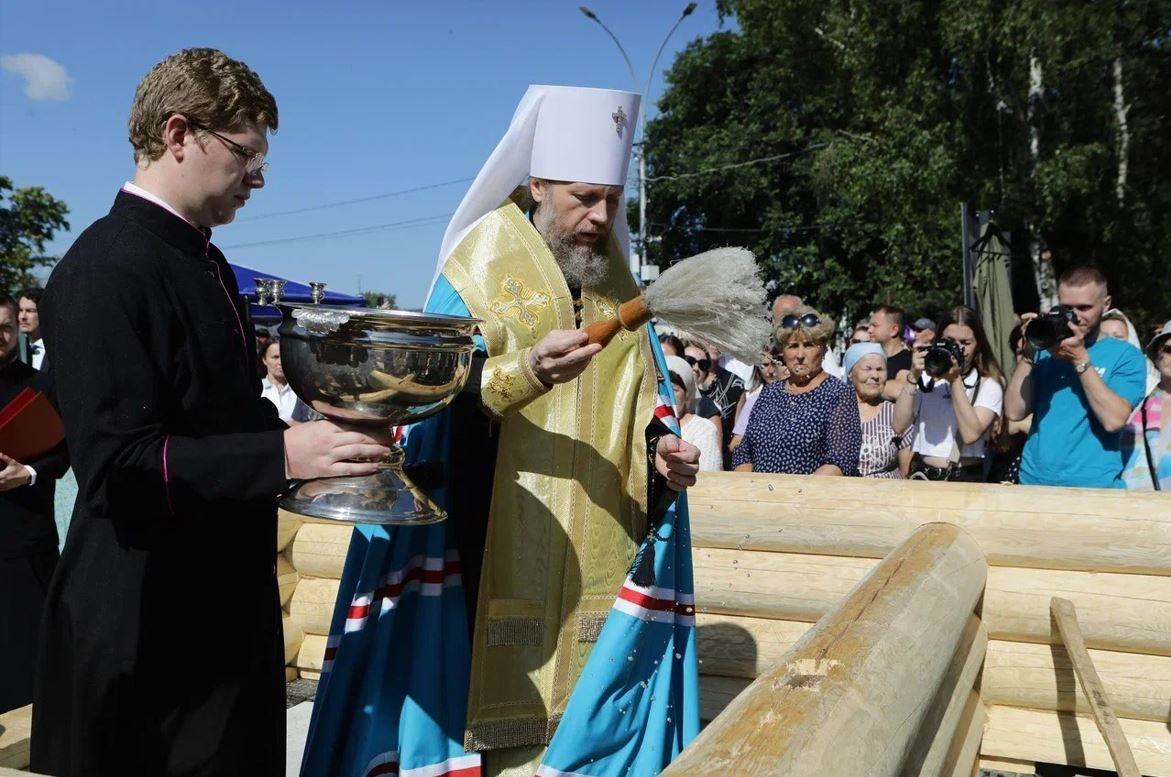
(619, 117)
(517, 300)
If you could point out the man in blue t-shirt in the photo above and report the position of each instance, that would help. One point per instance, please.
(1081, 393)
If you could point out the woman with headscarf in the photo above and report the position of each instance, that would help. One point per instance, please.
(697, 430)
(808, 423)
(1118, 325)
(1146, 440)
(884, 454)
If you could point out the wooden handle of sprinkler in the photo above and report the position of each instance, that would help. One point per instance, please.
(631, 315)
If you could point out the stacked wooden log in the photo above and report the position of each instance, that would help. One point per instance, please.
(776, 553)
(314, 552)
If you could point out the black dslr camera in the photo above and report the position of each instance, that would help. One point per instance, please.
(1049, 329)
(937, 360)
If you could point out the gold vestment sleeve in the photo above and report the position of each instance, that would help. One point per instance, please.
(509, 383)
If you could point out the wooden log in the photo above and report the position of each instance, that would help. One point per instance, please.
(311, 607)
(716, 693)
(1063, 738)
(312, 653)
(291, 674)
(319, 549)
(1009, 765)
(779, 586)
(736, 646)
(287, 525)
(1082, 529)
(294, 636)
(1065, 617)
(1017, 674)
(286, 578)
(15, 731)
(1127, 613)
(938, 729)
(964, 752)
(855, 689)
(308, 674)
(1035, 676)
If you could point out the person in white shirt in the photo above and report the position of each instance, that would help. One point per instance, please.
(697, 430)
(29, 321)
(957, 414)
(277, 390)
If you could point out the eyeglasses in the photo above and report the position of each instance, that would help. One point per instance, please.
(253, 160)
(703, 364)
(809, 321)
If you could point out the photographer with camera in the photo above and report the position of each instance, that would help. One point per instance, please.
(953, 394)
(1080, 387)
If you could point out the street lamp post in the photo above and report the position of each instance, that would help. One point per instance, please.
(640, 149)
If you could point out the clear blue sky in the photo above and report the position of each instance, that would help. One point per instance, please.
(374, 97)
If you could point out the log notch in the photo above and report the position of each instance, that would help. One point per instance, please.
(855, 690)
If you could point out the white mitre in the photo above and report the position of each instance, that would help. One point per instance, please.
(561, 133)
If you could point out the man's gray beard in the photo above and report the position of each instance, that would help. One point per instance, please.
(582, 266)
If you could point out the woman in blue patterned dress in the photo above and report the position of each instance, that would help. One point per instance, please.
(808, 423)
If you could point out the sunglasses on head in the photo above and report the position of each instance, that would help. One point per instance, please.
(809, 321)
(703, 364)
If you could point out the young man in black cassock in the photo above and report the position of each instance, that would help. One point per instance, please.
(28, 534)
(161, 650)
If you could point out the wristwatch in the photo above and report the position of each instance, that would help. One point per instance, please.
(1081, 367)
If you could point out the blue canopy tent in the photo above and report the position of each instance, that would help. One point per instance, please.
(294, 292)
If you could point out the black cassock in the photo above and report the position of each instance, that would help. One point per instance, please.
(28, 551)
(161, 649)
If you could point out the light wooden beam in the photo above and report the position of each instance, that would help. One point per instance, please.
(853, 692)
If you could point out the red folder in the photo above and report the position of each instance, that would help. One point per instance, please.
(29, 426)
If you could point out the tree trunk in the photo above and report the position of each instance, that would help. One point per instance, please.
(1121, 109)
(1042, 260)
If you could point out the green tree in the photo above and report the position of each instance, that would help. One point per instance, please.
(375, 299)
(866, 124)
(28, 219)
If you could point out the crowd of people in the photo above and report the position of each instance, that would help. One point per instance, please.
(927, 399)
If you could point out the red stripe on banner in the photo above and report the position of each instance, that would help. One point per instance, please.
(467, 771)
(651, 603)
(387, 768)
(393, 590)
(664, 411)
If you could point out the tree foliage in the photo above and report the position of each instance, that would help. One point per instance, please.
(876, 120)
(28, 219)
(375, 299)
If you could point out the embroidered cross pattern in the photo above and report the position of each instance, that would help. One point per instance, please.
(518, 301)
(502, 383)
(607, 310)
(619, 117)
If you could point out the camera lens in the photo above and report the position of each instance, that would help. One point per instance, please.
(937, 361)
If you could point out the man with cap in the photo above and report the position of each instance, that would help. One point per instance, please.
(924, 330)
(565, 556)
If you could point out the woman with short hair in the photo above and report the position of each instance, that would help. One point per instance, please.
(884, 454)
(807, 423)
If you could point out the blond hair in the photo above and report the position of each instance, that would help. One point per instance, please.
(820, 334)
(205, 85)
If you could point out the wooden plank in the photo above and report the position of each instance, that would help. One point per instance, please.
(855, 689)
(15, 730)
(309, 674)
(319, 549)
(311, 607)
(938, 728)
(1017, 674)
(1064, 738)
(1127, 613)
(1065, 615)
(312, 653)
(286, 578)
(1081, 529)
(964, 752)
